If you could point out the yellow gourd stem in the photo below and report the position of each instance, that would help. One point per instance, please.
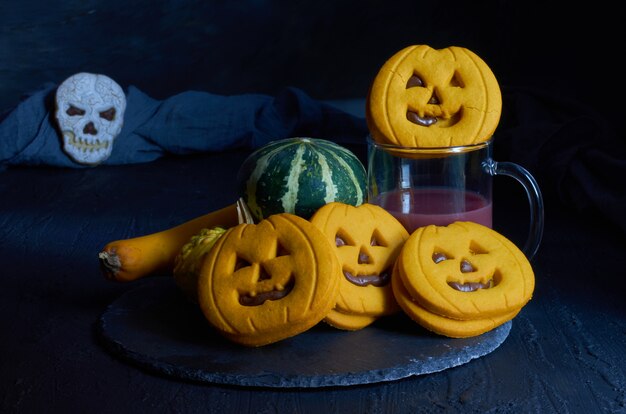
(126, 260)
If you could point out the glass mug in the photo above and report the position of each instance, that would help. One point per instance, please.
(422, 186)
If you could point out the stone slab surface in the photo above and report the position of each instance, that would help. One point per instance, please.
(154, 327)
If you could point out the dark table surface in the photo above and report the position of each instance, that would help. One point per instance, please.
(566, 351)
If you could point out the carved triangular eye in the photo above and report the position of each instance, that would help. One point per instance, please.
(342, 239)
(456, 81)
(439, 257)
(281, 251)
(377, 239)
(241, 263)
(476, 248)
(414, 81)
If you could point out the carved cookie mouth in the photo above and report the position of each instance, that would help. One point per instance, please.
(429, 120)
(259, 298)
(465, 266)
(471, 286)
(434, 116)
(377, 280)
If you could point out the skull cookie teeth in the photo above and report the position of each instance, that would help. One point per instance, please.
(90, 114)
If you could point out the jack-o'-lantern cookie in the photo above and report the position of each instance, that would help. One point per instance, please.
(425, 97)
(265, 282)
(368, 240)
(465, 270)
(453, 328)
(462, 279)
(349, 321)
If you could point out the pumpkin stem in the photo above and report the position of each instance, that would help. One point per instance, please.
(243, 212)
(110, 263)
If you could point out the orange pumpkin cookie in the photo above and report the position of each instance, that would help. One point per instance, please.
(368, 239)
(348, 321)
(462, 279)
(442, 325)
(261, 283)
(465, 271)
(425, 97)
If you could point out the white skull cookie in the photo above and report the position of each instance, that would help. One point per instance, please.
(90, 113)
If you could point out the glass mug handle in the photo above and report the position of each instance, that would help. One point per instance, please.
(535, 200)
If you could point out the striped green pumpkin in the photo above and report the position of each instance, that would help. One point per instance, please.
(299, 175)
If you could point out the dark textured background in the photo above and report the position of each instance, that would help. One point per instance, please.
(330, 49)
(567, 349)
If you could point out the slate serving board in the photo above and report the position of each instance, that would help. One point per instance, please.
(155, 327)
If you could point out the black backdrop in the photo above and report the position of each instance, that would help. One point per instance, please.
(557, 64)
(331, 50)
(562, 84)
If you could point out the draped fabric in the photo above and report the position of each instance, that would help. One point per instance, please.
(570, 149)
(186, 123)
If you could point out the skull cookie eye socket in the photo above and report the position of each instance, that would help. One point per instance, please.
(109, 114)
(74, 111)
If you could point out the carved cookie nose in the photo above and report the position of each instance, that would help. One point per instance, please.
(90, 129)
(363, 258)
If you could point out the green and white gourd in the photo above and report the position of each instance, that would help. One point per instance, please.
(300, 175)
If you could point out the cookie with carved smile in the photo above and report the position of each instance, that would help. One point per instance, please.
(461, 279)
(262, 283)
(425, 97)
(453, 328)
(367, 240)
(380, 279)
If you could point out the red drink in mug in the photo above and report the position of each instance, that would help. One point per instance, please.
(423, 186)
(420, 207)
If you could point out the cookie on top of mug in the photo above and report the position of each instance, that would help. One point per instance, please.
(425, 97)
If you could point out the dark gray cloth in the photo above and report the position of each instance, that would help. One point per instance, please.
(187, 123)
